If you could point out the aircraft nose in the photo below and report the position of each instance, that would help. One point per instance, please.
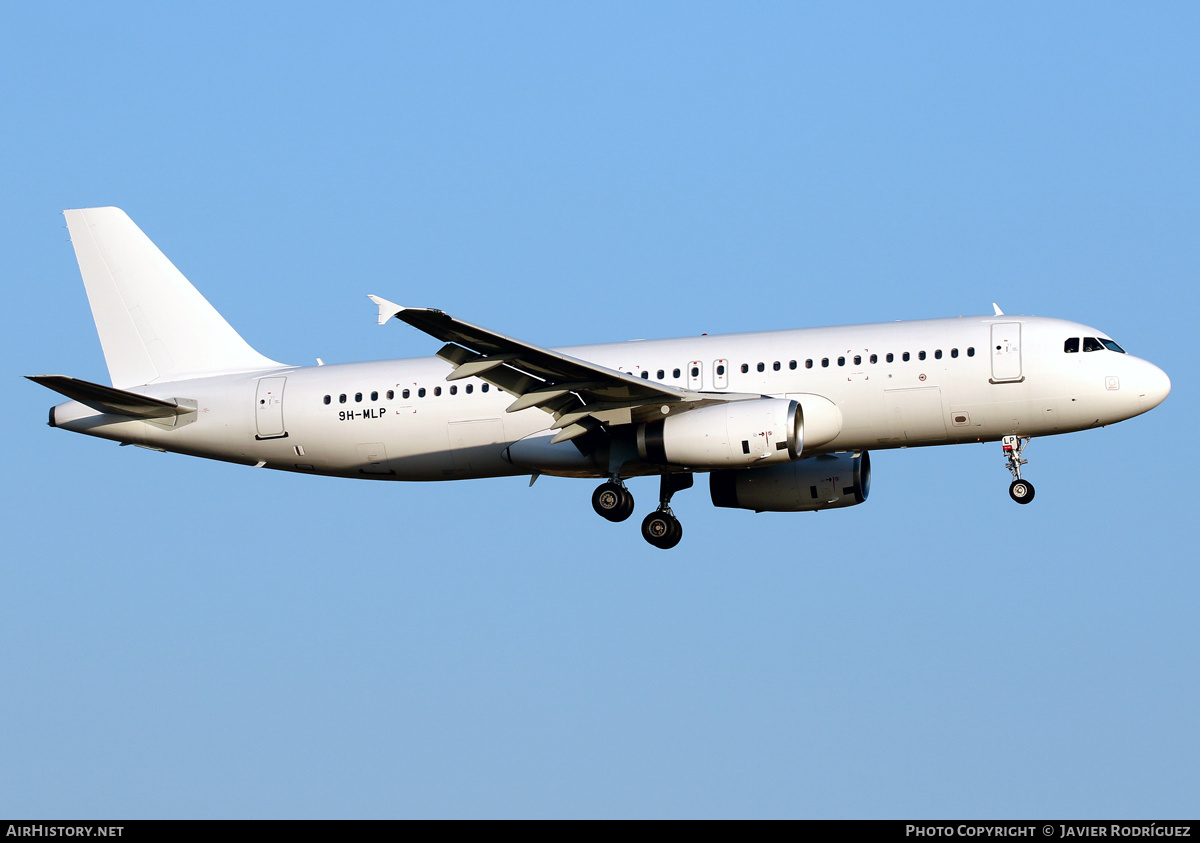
(1154, 387)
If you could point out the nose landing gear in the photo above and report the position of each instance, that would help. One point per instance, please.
(1019, 490)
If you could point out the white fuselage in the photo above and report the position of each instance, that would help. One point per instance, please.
(898, 384)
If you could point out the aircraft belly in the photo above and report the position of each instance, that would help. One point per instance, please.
(431, 445)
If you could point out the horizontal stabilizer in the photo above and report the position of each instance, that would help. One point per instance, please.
(106, 399)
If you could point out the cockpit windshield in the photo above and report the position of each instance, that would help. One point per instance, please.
(1071, 346)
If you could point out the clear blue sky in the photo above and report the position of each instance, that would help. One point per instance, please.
(181, 638)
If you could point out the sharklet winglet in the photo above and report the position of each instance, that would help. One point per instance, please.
(387, 309)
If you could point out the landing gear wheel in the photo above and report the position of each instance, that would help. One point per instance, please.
(612, 501)
(1021, 491)
(662, 529)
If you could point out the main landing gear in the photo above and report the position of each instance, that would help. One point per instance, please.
(613, 501)
(661, 528)
(1019, 490)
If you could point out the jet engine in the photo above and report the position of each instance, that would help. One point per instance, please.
(828, 481)
(761, 431)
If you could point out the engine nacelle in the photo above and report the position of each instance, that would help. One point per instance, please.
(761, 431)
(825, 482)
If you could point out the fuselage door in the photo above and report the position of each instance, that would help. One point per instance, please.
(695, 375)
(1006, 352)
(720, 374)
(268, 408)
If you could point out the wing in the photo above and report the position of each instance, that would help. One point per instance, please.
(579, 394)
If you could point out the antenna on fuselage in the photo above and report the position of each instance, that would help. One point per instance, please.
(996, 308)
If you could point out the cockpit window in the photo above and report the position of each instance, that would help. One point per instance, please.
(1092, 344)
(1071, 346)
(1112, 346)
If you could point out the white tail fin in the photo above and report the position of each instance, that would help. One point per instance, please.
(153, 324)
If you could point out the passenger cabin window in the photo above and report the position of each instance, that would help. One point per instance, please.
(745, 368)
(695, 371)
(358, 396)
(405, 393)
(328, 399)
(954, 352)
(971, 351)
(421, 392)
(808, 363)
(470, 388)
(720, 371)
(1092, 344)
(791, 364)
(938, 354)
(661, 374)
(645, 374)
(841, 361)
(906, 356)
(437, 391)
(775, 365)
(391, 394)
(824, 362)
(857, 359)
(874, 358)
(454, 390)
(891, 357)
(342, 398)
(675, 372)
(374, 396)
(762, 367)
(484, 388)
(920, 355)
(1112, 346)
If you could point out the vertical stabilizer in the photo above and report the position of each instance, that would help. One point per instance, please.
(153, 324)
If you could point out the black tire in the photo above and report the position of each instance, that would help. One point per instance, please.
(677, 535)
(1021, 491)
(612, 502)
(662, 529)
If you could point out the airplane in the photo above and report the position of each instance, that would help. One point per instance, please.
(781, 421)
